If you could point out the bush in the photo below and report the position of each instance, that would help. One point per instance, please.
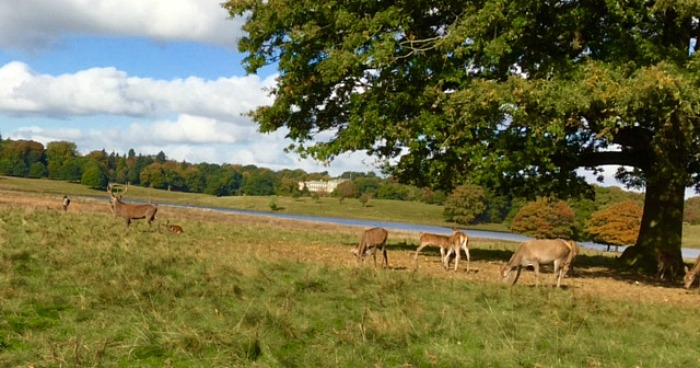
(465, 204)
(93, 177)
(691, 213)
(545, 218)
(617, 224)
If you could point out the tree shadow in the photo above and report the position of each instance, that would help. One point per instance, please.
(585, 266)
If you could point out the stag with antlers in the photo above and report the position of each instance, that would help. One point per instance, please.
(131, 211)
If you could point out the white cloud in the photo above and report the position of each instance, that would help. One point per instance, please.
(110, 91)
(192, 119)
(44, 23)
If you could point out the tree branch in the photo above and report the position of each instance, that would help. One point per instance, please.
(640, 160)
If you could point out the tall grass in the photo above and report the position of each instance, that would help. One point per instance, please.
(78, 290)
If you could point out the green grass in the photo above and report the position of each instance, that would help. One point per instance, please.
(381, 210)
(79, 291)
(377, 209)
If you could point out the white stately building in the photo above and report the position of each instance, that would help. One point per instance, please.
(321, 186)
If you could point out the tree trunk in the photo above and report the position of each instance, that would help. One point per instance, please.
(662, 222)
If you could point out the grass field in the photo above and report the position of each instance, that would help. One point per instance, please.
(78, 290)
(382, 210)
(385, 210)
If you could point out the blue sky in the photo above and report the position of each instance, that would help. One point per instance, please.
(149, 75)
(156, 75)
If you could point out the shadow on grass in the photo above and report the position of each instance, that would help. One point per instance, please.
(585, 266)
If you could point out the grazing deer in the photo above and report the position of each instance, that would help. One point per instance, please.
(691, 274)
(131, 211)
(175, 229)
(370, 241)
(538, 252)
(667, 263)
(448, 245)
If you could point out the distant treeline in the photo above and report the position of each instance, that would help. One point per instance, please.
(61, 160)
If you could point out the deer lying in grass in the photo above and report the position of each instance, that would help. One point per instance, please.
(448, 245)
(175, 229)
(691, 274)
(372, 240)
(131, 211)
(538, 252)
(667, 263)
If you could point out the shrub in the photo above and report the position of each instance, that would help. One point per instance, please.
(691, 212)
(544, 218)
(465, 204)
(617, 224)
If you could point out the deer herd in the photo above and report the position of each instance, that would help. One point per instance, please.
(531, 253)
(559, 253)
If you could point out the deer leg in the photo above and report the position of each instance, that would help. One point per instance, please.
(386, 258)
(517, 275)
(536, 266)
(445, 254)
(558, 271)
(415, 258)
(466, 251)
(457, 258)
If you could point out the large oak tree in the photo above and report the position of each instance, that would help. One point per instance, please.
(513, 94)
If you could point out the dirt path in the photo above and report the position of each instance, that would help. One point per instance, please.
(591, 281)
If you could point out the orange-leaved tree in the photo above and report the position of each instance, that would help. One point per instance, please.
(617, 224)
(545, 218)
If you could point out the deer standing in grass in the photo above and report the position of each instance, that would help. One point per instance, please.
(131, 211)
(448, 245)
(65, 203)
(460, 240)
(691, 274)
(372, 240)
(538, 252)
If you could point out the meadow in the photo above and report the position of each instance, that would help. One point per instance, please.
(79, 290)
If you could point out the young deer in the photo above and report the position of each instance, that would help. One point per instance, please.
(175, 229)
(667, 263)
(691, 274)
(370, 241)
(447, 244)
(538, 252)
(65, 203)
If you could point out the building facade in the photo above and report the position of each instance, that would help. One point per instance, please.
(321, 186)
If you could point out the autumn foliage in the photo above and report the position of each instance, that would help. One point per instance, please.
(617, 224)
(545, 218)
(465, 204)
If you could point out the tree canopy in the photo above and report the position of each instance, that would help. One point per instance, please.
(545, 218)
(617, 224)
(516, 94)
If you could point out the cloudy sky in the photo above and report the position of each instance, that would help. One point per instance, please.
(149, 75)
(156, 75)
